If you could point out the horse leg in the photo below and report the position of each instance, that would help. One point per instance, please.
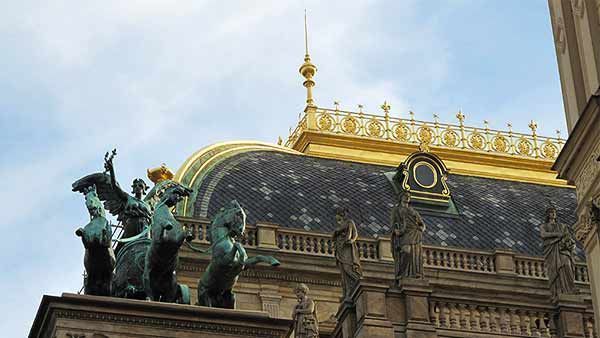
(228, 299)
(262, 259)
(204, 298)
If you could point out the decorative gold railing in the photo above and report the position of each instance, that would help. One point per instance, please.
(379, 250)
(456, 136)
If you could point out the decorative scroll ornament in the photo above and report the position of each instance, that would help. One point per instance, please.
(425, 135)
(401, 132)
(524, 147)
(500, 143)
(374, 128)
(449, 138)
(349, 124)
(325, 122)
(477, 141)
(549, 150)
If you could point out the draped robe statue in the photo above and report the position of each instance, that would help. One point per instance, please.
(305, 315)
(407, 239)
(346, 251)
(559, 252)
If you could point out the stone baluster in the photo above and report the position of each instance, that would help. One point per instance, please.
(504, 320)
(534, 323)
(475, 318)
(514, 322)
(485, 319)
(463, 313)
(525, 322)
(589, 327)
(454, 318)
(434, 313)
(444, 315)
(451, 260)
(494, 324)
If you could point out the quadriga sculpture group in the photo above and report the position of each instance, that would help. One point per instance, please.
(147, 255)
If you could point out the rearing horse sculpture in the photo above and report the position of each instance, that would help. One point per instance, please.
(229, 258)
(99, 260)
(146, 267)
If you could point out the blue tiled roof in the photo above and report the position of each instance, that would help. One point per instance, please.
(302, 192)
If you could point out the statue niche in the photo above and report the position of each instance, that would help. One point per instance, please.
(407, 239)
(559, 253)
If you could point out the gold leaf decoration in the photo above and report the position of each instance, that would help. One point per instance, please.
(500, 143)
(524, 147)
(425, 134)
(325, 122)
(449, 138)
(374, 128)
(477, 141)
(549, 150)
(350, 125)
(401, 132)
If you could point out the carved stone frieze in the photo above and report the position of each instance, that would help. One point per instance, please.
(591, 169)
(242, 331)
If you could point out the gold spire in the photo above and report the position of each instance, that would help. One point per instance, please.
(307, 69)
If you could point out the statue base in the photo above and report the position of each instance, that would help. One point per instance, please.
(78, 316)
(570, 310)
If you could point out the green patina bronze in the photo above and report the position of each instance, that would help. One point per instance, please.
(146, 267)
(229, 258)
(99, 259)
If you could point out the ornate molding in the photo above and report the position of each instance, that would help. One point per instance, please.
(275, 275)
(559, 35)
(591, 169)
(578, 7)
(166, 323)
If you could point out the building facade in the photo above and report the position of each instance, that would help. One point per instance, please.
(576, 28)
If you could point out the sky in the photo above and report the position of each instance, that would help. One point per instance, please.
(161, 79)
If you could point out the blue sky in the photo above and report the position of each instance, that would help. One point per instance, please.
(160, 79)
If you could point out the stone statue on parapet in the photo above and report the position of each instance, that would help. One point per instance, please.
(407, 239)
(229, 258)
(559, 254)
(134, 213)
(346, 251)
(99, 259)
(305, 314)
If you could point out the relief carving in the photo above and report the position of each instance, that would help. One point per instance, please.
(578, 7)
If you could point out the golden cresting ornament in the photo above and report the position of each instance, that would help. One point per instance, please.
(159, 174)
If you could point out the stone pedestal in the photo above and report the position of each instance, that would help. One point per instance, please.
(408, 306)
(570, 310)
(82, 316)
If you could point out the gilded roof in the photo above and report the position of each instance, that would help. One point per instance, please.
(301, 192)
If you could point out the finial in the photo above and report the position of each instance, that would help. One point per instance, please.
(486, 123)
(386, 107)
(360, 108)
(436, 118)
(337, 105)
(279, 140)
(412, 115)
(509, 125)
(533, 126)
(558, 134)
(307, 69)
(460, 116)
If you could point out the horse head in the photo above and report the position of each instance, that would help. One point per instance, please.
(232, 218)
(97, 233)
(165, 228)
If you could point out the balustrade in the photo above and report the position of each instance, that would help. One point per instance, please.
(520, 322)
(458, 260)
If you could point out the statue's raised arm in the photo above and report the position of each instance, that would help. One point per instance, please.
(131, 211)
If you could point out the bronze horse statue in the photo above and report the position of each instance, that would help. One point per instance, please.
(229, 258)
(146, 267)
(99, 259)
